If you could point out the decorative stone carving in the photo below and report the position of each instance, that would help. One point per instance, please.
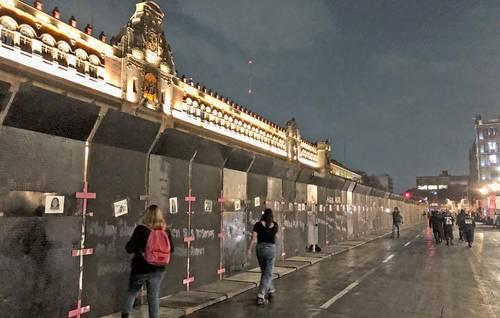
(293, 140)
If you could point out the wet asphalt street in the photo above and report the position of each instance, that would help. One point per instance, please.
(407, 277)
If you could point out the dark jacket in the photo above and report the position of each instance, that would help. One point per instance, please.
(137, 245)
(436, 220)
(448, 220)
(397, 217)
(460, 219)
(468, 223)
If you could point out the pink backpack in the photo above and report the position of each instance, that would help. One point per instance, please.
(158, 248)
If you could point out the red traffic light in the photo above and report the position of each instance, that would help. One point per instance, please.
(407, 195)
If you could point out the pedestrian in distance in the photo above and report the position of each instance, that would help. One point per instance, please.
(397, 220)
(437, 226)
(151, 244)
(460, 219)
(264, 235)
(448, 222)
(469, 225)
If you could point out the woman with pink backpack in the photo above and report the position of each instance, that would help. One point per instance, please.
(152, 246)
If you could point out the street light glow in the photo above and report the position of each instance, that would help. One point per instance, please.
(484, 190)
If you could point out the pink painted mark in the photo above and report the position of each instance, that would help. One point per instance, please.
(79, 310)
(189, 239)
(221, 200)
(190, 199)
(221, 271)
(220, 235)
(188, 281)
(83, 252)
(85, 195)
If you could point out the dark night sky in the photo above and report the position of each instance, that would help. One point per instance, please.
(398, 81)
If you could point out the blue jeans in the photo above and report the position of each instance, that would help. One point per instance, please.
(395, 226)
(266, 254)
(153, 282)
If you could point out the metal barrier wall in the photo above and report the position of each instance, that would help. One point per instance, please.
(211, 195)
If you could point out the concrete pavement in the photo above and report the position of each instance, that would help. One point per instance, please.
(186, 303)
(408, 277)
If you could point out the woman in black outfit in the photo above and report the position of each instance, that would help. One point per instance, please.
(264, 234)
(143, 272)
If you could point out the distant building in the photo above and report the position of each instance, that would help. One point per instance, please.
(381, 182)
(338, 169)
(485, 153)
(444, 189)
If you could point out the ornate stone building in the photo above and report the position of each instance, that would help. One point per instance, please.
(136, 71)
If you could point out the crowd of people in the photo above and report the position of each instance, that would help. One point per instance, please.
(442, 224)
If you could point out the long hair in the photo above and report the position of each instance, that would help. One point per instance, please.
(153, 218)
(268, 217)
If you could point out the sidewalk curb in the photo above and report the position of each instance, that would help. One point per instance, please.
(307, 260)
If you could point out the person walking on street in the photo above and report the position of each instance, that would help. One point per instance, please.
(148, 267)
(460, 219)
(264, 235)
(469, 225)
(448, 222)
(437, 226)
(397, 219)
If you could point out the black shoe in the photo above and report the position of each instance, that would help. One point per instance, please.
(270, 297)
(125, 315)
(260, 301)
(470, 245)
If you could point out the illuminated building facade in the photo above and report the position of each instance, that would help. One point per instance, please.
(136, 70)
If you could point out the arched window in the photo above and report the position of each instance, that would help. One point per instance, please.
(62, 54)
(8, 26)
(8, 23)
(47, 39)
(81, 58)
(27, 35)
(48, 42)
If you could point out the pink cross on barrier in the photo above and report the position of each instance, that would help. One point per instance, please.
(83, 252)
(221, 272)
(188, 281)
(85, 195)
(79, 310)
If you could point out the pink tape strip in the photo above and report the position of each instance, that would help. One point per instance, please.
(189, 239)
(85, 195)
(221, 271)
(190, 199)
(188, 280)
(79, 310)
(86, 251)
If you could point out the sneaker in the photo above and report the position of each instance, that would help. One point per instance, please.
(260, 301)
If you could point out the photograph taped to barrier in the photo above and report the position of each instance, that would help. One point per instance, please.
(257, 201)
(237, 205)
(290, 206)
(173, 205)
(120, 207)
(54, 204)
(208, 206)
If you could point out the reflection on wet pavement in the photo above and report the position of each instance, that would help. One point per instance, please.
(422, 279)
